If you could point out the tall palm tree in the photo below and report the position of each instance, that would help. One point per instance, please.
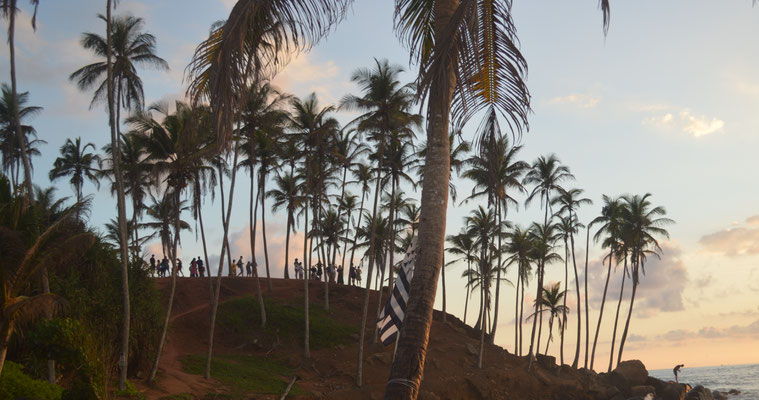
(463, 245)
(520, 247)
(10, 146)
(362, 175)
(78, 163)
(349, 204)
(287, 195)
(570, 200)
(611, 219)
(161, 213)
(543, 238)
(643, 222)
(124, 47)
(551, 298)
(566, 228)
(547, 174)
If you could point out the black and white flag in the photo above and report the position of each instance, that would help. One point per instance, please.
(392, 315)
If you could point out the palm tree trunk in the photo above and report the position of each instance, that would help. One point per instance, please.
(521, 318)
(629, 313)
(307, 278)
(205, 251)
(616, 319)
(408, 365)
(484, 288)
(324, 265)
(579, 304)
(14, 103)
(550, 333)
(224, 248)
(466, 300)
(538, 298)
(497, 276)
(173, 256)
(224, 218)
(339, 209)
(587, 307)
(355, 230)
(540, 313)
(564, 300)
(370, 269)
(381, 279)
(254, 224)
(287, 242)
(262, 183)
(516, 312)
(601, 312)
(442, 273)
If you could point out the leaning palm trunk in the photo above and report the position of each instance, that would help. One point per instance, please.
(370, 269)
(205, 250)
(550, 333)
(306, 278)
(521, 318)
(601, 312)
(408, 365)
(253, 223)
(587, 307)
(629, 313)
(262, 182)
(340, 209)
(466, 300)
(358, 223)
(485, 290)
(381, 272)
(516, 312)
(616, 319)
(173, 256)
(224, 248)
(579, 312)
(538, 299)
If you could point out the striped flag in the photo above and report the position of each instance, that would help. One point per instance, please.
(392, 315)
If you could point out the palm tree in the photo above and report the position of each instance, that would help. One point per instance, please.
(162, 212)
(551, 298)
(10, 146)
(462, 245)
(26, 253)
(349, 204)
(543, 238)
(124, 47)
(362, 175)
(78, 163)
(566, 228)
(642, 224)
(287, 195)
(520, 247)
(570, 200)
(611, 219)
(547, 174)
(384, 107)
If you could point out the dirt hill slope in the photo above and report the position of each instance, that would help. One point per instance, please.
(450, 371)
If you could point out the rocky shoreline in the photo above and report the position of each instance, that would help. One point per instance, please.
(630, 381)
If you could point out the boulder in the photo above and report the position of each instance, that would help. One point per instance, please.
(672, 391)
(619, 381)
(699, 393)
(734, 392)
(719, 395)
(634, 372)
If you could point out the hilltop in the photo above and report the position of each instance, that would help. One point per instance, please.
(251, 362)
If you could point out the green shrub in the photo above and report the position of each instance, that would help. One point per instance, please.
(130, 392)
(15, 384)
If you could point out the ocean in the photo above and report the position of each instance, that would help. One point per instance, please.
(740, 377)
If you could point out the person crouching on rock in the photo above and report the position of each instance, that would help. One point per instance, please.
(676, 371)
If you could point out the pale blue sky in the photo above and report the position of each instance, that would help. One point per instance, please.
(664, 104)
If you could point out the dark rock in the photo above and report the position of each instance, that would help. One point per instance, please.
(547, 362)
(672, 391)
(719, 395)
(634, 372)
(657, 384)
(734, 392)
(619, 381)
(699, 393)
(642, 390)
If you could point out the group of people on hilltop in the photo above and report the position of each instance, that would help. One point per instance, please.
(318, 272)
(329, 273)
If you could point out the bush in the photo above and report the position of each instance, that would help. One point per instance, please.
(15, 384)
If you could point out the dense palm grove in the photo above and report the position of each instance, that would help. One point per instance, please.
(349, 188)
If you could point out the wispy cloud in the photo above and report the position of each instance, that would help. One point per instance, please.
(734, 241)
(684, 121)
(577, 100)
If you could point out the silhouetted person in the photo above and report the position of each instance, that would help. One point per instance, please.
(164, 266)
(352, 275)
(248, 268)
(152, 264)
(298, 269)
(676, 371)
(179, 267)
(340, 275)
(193, 268)
(239, 265)
(201, 270)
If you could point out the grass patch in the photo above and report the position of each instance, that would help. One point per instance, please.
(285, 321)
(244, 375)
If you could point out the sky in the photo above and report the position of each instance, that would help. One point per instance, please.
(665, 104)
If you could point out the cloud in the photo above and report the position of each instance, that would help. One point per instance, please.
(239, 243)
(738, 240)
(684, 121)
(304, 75)
(710, 332)
(577, 100)
(660, 290)
(228, 4)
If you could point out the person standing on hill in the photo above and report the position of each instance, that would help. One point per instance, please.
(179, 267)
(248, 268)
(352, 275)
(319, 270)
(340, 279)
(164, 266)
(676, 371)
(239, 265)
(298, 269)
(201, 270)
(193, 268)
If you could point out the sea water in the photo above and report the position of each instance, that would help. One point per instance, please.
(740, 377)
